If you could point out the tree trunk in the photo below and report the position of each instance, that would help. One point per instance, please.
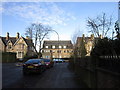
(39, 55)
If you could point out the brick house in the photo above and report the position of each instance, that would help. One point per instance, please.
(57, 49)
(20, 45)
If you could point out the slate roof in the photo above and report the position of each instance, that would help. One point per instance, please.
(85, 38)
(51, 43)
(28, 41)
(60, 42)
(13, 40)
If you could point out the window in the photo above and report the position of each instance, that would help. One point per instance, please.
(65, 56)
(47, 50)
(46, 46)
(65, 51)
(59, 51)
(53, 51)
(42, 51)
(47, 56)
(53, 46)
(9, 46)
(21, 46)
(60, 56)
(50, 51)
(60, 46)
(20, 54)
(64, 46)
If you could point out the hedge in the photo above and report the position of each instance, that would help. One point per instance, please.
(8, 57)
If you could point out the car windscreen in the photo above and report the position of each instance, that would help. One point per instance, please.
(46, 60)
(32, 61)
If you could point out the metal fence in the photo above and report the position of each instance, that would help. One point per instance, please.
(111, 63)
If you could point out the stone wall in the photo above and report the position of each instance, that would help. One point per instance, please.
(107, 79)
(94, 76)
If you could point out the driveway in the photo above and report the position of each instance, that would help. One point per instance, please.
(57, 77)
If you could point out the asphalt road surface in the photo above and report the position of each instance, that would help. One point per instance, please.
(58, 76)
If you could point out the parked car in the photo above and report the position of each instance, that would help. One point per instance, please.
(58, 60)
(49, 63)
(34, 65)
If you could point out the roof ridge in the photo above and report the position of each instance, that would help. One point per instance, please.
(57, 40)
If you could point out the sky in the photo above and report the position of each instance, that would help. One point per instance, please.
(64, 17)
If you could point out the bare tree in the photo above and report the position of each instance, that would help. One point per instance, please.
(75, 35)
(38, 32)
(100, 25)
(117, 28)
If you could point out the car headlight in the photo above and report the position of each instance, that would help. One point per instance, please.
(47, 64)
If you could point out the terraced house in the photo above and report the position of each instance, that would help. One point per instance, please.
(57, 49)
(20, 45)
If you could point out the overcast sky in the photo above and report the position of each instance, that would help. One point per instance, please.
(64, 17)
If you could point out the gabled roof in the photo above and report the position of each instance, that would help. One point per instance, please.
(57, 43)
(86, 39)
(12, 39)
(28, 42)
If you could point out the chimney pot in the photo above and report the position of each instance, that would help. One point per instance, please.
(27, 37)
(7, 37)
(18, 35)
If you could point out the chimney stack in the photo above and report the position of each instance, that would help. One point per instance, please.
(27, 37)
(83, 35)
(7, 37)
(101, 37)
(92, 36)
(18, 35)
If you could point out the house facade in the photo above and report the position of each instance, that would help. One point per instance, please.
(20, 45)
(57, 49)
(89, 43)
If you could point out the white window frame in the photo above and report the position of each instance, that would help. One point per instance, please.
(53, 51)
(47, 50)
(46, 46)
(53, 46)
(60, 56)
(21, 54)
(60, 46)
(64, 46)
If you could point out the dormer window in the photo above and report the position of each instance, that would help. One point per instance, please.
(60, 46)
(46, 46)
(53, 46)
(9, 46)
(64, 46)
(22, 46)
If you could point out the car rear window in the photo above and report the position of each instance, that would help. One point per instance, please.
(32, 61)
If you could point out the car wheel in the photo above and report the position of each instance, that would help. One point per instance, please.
(40, 70)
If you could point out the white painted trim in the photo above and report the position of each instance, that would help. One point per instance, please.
(18, 40)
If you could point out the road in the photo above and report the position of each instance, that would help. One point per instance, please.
(57, 77)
